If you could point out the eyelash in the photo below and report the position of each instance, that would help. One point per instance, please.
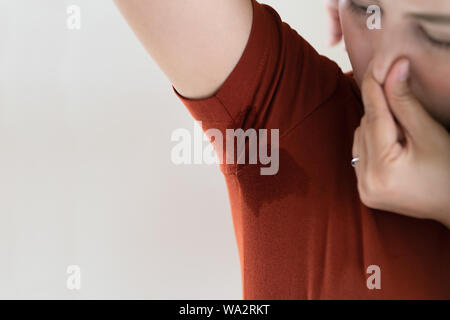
(357, 8)
(432, 41)
(361, 10)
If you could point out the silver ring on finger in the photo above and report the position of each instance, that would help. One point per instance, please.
(355, 161)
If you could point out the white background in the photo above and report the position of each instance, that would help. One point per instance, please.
(85, 172)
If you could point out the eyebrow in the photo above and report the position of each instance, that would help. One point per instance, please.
(433, 18)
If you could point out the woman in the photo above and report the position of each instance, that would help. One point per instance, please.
(359, 208)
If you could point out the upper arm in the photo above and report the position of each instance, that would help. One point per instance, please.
(196, 43)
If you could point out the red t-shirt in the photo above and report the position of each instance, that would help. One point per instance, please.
(304, 233)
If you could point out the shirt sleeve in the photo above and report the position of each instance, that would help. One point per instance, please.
(278, 81)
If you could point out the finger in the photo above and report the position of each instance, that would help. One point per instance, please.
(356, 148)
(363, 145)
(408, 111)
(355, 143)
(355, 152)
(380, 128)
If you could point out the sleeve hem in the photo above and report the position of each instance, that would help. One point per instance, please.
(230, 100)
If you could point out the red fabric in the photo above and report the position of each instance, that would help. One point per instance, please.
(304, 233)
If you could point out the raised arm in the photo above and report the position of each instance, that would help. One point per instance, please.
(196, 43)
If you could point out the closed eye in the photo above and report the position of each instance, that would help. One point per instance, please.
(433, 41)
(357, 8)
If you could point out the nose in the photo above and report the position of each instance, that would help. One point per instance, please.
(389, 44)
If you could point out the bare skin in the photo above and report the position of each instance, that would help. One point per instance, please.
(403, 140)
(401, 160)
(175, 34)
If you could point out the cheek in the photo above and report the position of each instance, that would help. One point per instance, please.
(431, 86)
(430, 71)
(358, 42)
(435, 81)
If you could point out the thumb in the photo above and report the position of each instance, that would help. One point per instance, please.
(408, 111)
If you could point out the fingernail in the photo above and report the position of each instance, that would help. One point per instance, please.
(403, 71)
